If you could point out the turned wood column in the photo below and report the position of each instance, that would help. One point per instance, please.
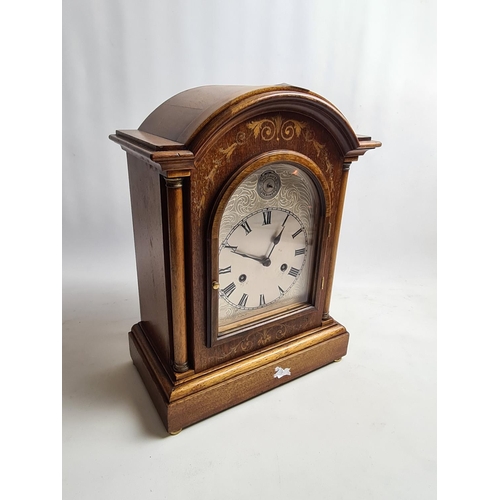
(177, 273)
(336, 234)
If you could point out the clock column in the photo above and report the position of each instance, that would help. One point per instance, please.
(177, 273)
(336, 234)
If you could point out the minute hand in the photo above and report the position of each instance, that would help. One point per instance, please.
(277, 238)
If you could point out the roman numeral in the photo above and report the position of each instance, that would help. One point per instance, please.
(300, 251)
(243, 300)
(262, 300)
(296, 233)
(294, 272)
(229, 289)
(281, 290)
(267, 217)
(225, 270)
(246, 227)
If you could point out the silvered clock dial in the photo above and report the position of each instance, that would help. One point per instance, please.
(267, 244)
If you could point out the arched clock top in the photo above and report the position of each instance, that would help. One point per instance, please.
(187, 121)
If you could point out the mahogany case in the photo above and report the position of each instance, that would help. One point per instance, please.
(181, 161)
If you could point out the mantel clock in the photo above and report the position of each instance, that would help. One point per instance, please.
(237, 196)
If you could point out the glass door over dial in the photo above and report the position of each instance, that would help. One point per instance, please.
(267, 245)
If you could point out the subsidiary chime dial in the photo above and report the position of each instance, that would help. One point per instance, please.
(267, 244)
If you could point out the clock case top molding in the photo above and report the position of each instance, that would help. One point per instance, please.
(183, 161)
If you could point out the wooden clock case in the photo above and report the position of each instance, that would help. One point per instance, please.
(183, 162)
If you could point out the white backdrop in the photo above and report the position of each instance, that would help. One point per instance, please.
(375, 60)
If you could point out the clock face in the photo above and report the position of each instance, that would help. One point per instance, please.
(267, 245)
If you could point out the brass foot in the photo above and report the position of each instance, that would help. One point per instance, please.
(174, 433)
(337, 360)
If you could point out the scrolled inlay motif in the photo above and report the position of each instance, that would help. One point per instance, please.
(240, 139)
(250, 342)
(282, 332)
(321, 152)
(290, 128)
(266, 128)
(276, 128)
(264, 339)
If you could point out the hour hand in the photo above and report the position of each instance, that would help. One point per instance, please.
(262, 260)
(237, 252)
(277, 238)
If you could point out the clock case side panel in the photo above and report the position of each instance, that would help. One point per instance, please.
(150, 223)
(314, 310)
